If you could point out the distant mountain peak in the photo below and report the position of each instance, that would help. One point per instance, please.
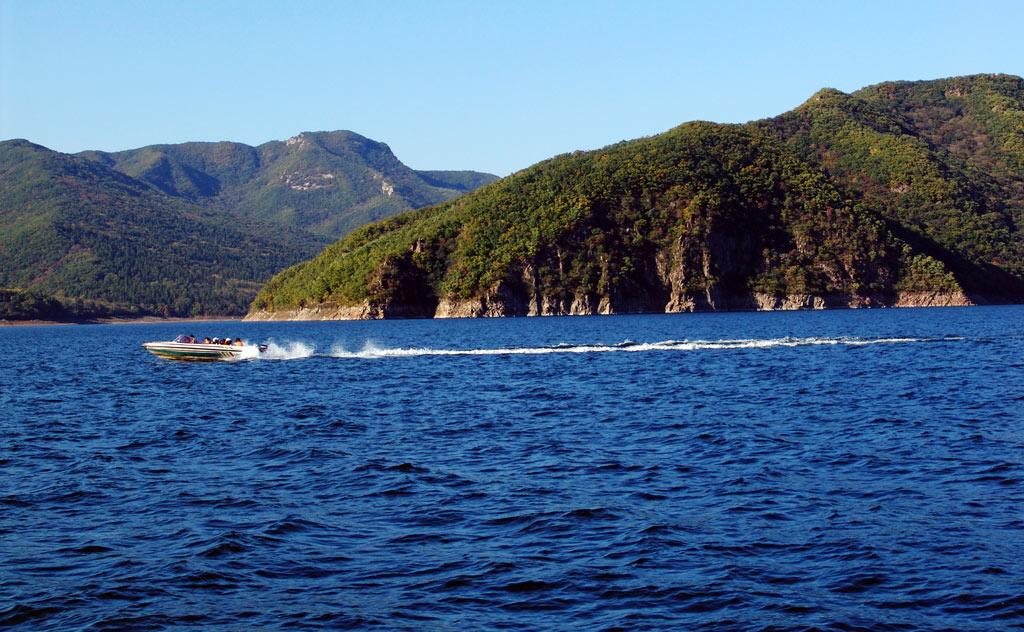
(329, 182)
(106, 226)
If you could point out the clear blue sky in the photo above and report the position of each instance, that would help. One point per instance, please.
(491, 86)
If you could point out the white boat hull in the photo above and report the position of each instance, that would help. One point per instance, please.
(197, 351)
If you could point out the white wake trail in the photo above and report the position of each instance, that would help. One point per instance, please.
(370, 350)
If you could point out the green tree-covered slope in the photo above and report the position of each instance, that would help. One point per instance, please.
(193, 228)
(917, 155)
(902, 193)
(30, 305)
(75, 230)
(324, 182)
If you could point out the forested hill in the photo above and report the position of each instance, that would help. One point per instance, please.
(325, 182)
(904, 193)
(104, 243)
(189, 229)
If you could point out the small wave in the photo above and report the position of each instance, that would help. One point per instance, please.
(21, 613)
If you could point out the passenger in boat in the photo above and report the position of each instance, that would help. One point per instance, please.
(206, 340)
(239, 343)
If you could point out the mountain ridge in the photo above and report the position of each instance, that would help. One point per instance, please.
(80, 231)
(902, 193)
(325, 182)
(165, 230)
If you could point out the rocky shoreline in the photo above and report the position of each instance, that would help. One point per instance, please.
(497, 304)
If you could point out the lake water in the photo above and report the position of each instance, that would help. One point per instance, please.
(838, 470)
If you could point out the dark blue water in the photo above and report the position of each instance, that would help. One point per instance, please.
(838, 470)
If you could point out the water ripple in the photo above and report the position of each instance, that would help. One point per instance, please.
(815, 471)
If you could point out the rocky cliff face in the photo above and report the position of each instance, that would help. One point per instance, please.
(490, 308)
(522, 298)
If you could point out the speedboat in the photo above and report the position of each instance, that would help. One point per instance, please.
(185, 348)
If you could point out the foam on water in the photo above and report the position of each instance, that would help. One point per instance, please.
(250, 352)
(292, 350)
(371, 350)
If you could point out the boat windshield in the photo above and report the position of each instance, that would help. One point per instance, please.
(183, 338)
